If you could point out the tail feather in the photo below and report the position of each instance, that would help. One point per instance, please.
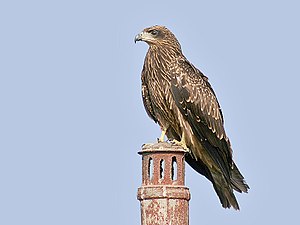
(237, 180)
(222, 186)
(224, 189)
(224, 192)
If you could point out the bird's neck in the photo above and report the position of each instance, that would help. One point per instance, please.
(160, 57)
(158, 62)
(165, 51)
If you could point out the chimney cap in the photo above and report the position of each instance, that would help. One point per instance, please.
(162, 147)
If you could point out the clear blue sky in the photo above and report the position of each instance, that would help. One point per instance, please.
(72, 119)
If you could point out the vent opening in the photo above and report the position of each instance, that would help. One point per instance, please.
(174, 168)
(162, 168)
(150, 168)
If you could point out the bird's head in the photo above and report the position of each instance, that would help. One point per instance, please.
(158, 36)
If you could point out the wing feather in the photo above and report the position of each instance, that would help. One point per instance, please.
(146, 97)
(197, 101)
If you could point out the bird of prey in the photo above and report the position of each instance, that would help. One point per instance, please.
(178, 97)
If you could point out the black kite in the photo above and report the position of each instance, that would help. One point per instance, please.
(180, 99)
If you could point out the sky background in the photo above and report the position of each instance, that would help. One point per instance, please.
(72, 118)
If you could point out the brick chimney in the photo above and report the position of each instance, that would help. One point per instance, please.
(163, 197)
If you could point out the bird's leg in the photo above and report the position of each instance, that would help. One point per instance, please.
(162, 136)
(181, 143)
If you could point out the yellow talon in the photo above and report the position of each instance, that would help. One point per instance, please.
(181, 143)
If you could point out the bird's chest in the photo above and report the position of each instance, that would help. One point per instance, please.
(159, 86)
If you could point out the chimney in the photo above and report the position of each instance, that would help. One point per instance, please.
(163, 197)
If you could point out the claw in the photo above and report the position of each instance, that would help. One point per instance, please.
(159, 140)
(180, 143)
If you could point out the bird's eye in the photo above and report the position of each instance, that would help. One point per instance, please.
(154, 32)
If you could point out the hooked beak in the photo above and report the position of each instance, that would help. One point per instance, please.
(138, 37)
(144, 36)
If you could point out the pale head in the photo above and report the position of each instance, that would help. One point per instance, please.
(159, 36)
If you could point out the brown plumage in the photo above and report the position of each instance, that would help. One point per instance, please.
(180, 99)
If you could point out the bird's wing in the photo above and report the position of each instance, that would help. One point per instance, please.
(197, 101)
(146, 97)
